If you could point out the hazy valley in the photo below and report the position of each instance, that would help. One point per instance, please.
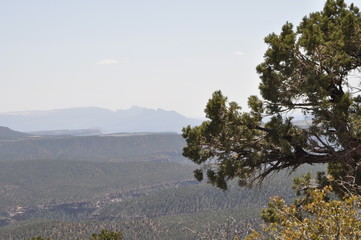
(137, 183)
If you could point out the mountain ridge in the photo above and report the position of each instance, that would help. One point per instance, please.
(134, 119)
(7, 133)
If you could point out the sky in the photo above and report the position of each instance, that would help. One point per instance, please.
(115, 54)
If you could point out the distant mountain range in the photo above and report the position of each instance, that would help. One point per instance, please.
(135, 119)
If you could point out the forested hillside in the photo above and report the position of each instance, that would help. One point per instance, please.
(66, 187)
(149, 198)
(116, 148)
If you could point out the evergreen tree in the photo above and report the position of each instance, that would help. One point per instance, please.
(106, 235)
(313, 69)
(317, 218)
(102, 235)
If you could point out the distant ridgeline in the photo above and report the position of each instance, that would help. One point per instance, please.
(7, 133)
(166, 147)
(135, 119)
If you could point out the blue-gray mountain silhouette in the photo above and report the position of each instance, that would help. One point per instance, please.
(135, 119)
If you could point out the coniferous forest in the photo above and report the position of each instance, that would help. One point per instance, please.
(152, 195)
(287, 168)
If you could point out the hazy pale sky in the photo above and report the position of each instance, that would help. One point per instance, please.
(169, 54)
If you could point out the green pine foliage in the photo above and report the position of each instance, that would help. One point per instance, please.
(312, 70)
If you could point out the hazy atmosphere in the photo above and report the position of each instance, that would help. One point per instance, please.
(116, 54)
(119, 119)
